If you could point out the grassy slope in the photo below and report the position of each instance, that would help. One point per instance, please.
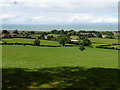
(37, 57)
(47, 68)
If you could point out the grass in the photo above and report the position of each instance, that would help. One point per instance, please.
(32, 67)
(104, 41)
(74, 37)
(55, 35)
(23, 40)
(37, 57)
(61, 77)
(115, 46)
(18, 40)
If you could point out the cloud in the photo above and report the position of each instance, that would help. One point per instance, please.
(60, 0)
(64, 12)
(7, 16)
(73, 19)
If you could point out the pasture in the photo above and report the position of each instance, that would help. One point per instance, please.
(33, 67)
(37, 57)
(104, 41)
(24, 40)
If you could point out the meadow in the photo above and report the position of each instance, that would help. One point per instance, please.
(33, 67)
(104, 41)
(37, 57)
(100, 40)
(24, 40)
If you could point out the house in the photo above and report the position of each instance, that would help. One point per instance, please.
(74, 40)
(104, 36)
(45, 37)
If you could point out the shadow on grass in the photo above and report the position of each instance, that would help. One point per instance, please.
(61, 77)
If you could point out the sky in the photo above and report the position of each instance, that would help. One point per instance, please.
(54, 12)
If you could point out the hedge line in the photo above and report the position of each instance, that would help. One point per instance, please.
(104, 47)
(19, 37)
(27, 44)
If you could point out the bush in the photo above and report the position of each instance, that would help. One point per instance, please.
(86, 42)
(63, 40)
(5, 42)
(82, 47)
(37, 42)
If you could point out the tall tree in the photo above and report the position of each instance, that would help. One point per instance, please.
(37, 42)
(5, 32)
(63, 40)
(15, 32)
(86, 42)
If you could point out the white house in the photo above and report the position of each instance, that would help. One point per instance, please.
(74, 40)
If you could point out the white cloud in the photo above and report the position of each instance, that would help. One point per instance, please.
(73, 18)
(105, 20)
(5, 5)
(7, 16)
(17, 20)
(60, 0)
(63, 12)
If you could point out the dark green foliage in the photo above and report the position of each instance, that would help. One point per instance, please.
(5, 32)
(82, 47)
(86, 42)
(41, 36)
(63, 40)
(50, 37)
(32, 32)
(5, 42)
(37, 42)
(99, 35)
(109, 36)
(15, 32)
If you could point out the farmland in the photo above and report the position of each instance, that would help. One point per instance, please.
(104, 40)
(19, 40)
(58, 67)
(61, 56)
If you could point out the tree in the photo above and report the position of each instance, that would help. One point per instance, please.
(109, 36)
(37, 42)
(41, 36)
(86, 42)
(5, 32)
(32, 32)
(15, 32)
(63, 40)
(82, 47)
(99, 35)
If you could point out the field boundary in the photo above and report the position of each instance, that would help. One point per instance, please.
(106, 46)
(24, 44)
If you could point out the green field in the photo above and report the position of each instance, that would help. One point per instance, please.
(115, 46)
(23, 40)
(104, 40)
(37, 57)
(30, 67)
(55, 35)
(33, 67)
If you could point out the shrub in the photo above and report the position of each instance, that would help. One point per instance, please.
(37, 42)
(63, 40)
(86, 42)
(82, 47)
(5, 42)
